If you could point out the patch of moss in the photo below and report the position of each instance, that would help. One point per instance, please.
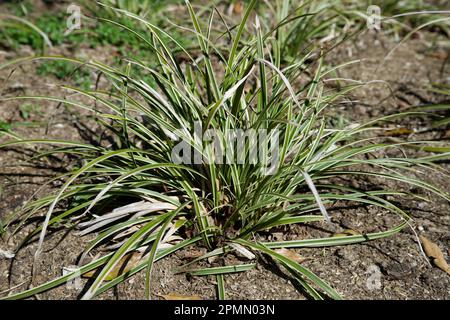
(63, 70)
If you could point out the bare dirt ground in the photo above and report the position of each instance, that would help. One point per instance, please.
(404, 271)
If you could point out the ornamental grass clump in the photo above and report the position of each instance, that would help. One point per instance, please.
(163, 179)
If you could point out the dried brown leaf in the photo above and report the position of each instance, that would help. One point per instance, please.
(193, 254)
(346, 233)
(291, 255)
(238, 7)
(435, 254)
(398, 132)
(447, 134)
(124, 265)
